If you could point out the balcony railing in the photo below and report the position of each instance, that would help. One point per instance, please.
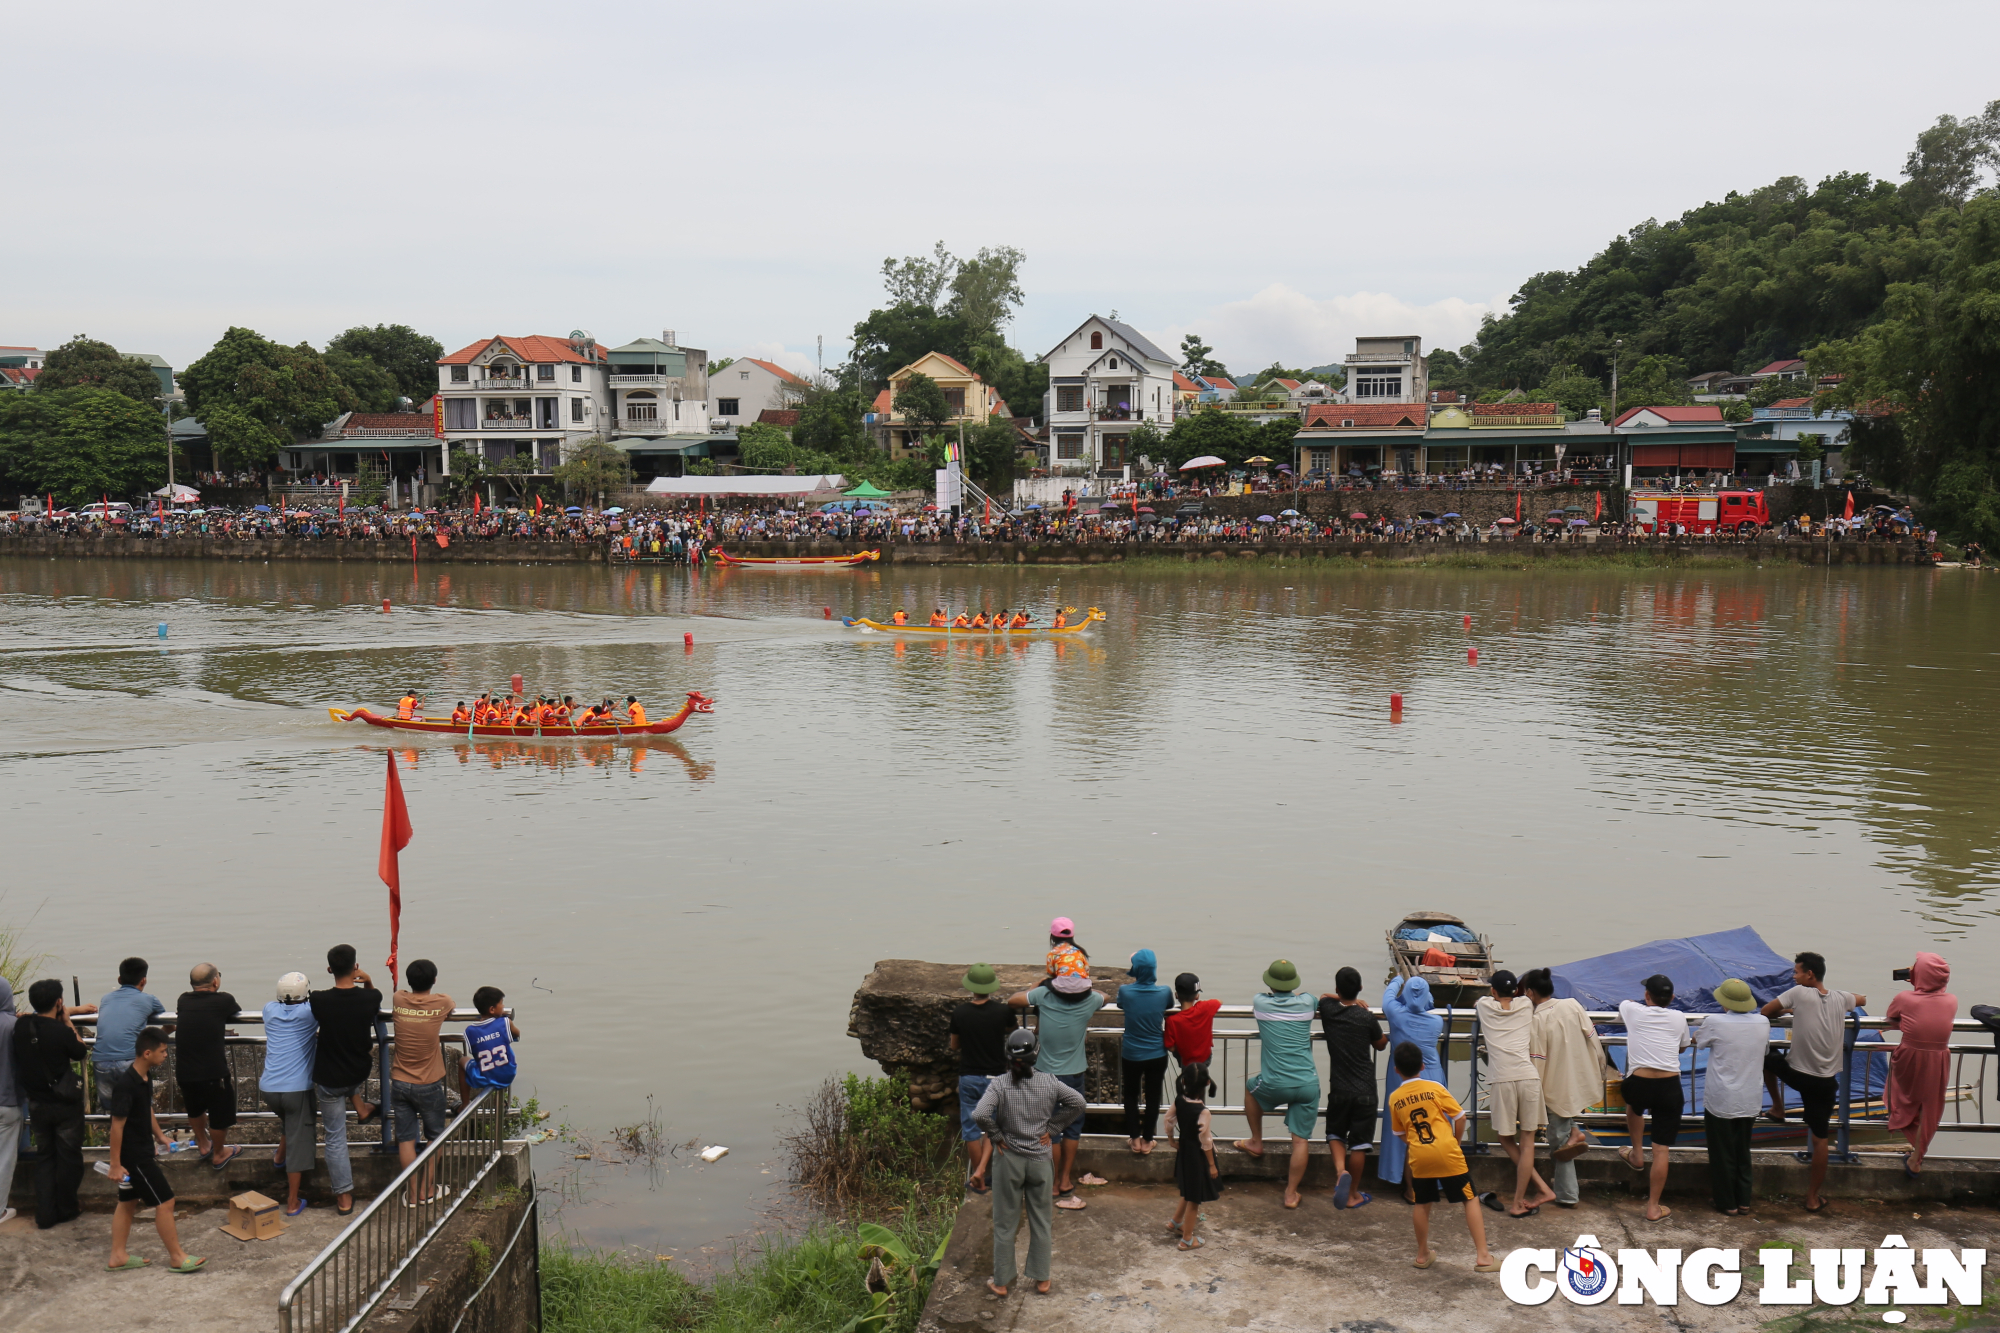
(1281, 408)
(641, 425)
(511, 423)
(1533, 419)
(644, 381)
(518, 382)
(1365, 358)
(1118, 414)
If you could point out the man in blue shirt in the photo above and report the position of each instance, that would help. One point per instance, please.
(1286, 1076)
(121, 1017)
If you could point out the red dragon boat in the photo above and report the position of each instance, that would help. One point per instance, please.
(728, 561)
(697, 702)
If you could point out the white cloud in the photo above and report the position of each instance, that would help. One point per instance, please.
(1287, 326)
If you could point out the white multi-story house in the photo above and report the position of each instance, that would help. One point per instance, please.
(502, 397)
(659, 389)
(1387, 369)
(745, 387)
(1104, 379)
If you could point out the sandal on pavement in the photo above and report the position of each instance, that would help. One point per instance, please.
(976, 1185)
(995, 1291)
(1089, 1179)
(1366, 1199)
(1069, 1203)
(294, 1212)
(1194, 1244)
(188, 1265)
(1492, 1200)
(132, 1262)
(1341, 1189)
(234, 1153)
(1490, 1266)
(1430, 1257)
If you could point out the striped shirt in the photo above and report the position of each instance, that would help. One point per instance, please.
(1284, 1031)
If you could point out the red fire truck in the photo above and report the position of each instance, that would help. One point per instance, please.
(1738, 513)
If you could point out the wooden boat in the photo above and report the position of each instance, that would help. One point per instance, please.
(1090, 617)
(697, 702)
(728, 561)
(1456, 986)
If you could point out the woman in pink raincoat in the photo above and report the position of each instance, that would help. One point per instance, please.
(1920, 1067)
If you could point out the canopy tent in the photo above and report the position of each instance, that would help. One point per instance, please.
(867, 491)
(178, 494)
(758, 486)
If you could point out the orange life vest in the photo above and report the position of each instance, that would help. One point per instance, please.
(961, 622)
(1061, 620)
(638, 712)
(901, 619)
(406, 707)
(1020, 621)
(459, 717)
(937, 620)
(979, 621)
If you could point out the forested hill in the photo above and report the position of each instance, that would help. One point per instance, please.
(1737, 284)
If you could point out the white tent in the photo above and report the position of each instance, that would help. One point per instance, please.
(764, 486)
(178, 494)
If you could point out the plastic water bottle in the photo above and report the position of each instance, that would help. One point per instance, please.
(101, 1168)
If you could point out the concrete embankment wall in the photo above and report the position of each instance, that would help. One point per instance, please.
(1524, 553)
(1484, 506)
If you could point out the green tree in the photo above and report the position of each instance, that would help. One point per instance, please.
(289, 389)
(920, 280)
(240, 440)
(1736, 409)
(922, 403)
(595, 471)
(890, 339)
(86, 363)
(80, 444)
(409, 357)
(985, 290)
(1572, 390)
(374, 389)
(765, 447)
(1227, 435)
(717, 367)
(992, 453)
(1148, 440)
(1922, 386)
(1023, 383)
(830, 422)
(1447, 370)
(1651, 381)
(1195, 358)
(1944, 166)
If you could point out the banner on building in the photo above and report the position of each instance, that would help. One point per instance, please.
(950, 495)
(437, 415)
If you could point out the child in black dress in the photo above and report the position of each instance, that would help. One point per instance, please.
(1195, 1170)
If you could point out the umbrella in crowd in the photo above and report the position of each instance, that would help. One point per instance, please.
(1507, 521)
(1358, 515)
(1206, 460)
(1288, 513)
(1258, 461)
(1266, 518)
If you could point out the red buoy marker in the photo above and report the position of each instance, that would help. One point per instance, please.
(829, 612)
(1468, 622)
(385, 606)
(518, 684)
(687, 640)
(1395, 703)
(1472, 656)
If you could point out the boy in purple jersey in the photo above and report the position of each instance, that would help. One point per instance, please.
(489, 1046)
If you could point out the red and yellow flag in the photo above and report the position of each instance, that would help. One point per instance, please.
(395, 837)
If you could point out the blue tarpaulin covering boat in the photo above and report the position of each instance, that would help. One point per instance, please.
(1698, 964)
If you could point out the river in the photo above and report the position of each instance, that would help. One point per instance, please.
(1213, 773)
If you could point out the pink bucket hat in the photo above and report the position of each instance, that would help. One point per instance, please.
(1062, 928)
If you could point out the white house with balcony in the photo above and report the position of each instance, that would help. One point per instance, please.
(1104, 379)
(1387, 369)
(746, 387)
(659, 389)
(536, 396)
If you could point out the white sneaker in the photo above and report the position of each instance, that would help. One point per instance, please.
(6, 1216)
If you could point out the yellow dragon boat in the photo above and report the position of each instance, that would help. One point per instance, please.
(1090, 617)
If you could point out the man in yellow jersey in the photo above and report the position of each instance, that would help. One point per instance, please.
(1427, 1117)
(635, 710)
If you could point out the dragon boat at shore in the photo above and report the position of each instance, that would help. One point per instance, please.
(728, 561)
(697, 702)
(1090, 617)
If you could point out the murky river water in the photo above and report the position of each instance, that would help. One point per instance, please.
(1213, 773)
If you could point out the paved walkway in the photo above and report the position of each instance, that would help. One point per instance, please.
(55, 1280)
(1117, 1269)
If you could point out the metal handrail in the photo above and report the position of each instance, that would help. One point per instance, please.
(1462, 1031)
(348, 1279)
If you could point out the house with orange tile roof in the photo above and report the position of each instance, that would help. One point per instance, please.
(972, 400)
(531, 396)
(746, 388)
(1105, 378)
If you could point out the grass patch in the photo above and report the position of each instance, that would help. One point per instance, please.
(17, 964)
(885, 1179)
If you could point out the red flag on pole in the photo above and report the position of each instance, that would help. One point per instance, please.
(395, 837)
(1517, 506)
(475, 502)
(1849, 511)
(1600, 506)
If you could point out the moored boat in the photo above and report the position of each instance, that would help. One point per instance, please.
(1090, 617)
(1438, 947)
(729, 561)
(697, 702)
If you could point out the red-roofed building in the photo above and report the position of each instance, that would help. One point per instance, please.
(971, 399)
(1790, 368)
(529, 395)
(1345, 438)
(746, 388)
(784, 418)
(1641, 418)
(18, 377)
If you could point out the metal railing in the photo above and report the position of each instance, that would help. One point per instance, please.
(360, 1269)
(643, 381)
(1463, 1042)
(520, 382)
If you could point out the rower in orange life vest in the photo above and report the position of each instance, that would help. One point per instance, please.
(901, 617)
(937, 619)
(1062, 618)
(461, 715)
(1020, 620)
(565, 711)
(1000, 619)
(482, 710)
(635, 711)
(406, 707)
(960, 621)
(979, 621)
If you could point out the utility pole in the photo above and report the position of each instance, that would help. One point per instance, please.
(1616, 343)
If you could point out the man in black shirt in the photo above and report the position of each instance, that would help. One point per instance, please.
(1353, 1035)
(347, 1017)
(45, 1048)
(979, 1029)
(141, 1183)
(201, 1063)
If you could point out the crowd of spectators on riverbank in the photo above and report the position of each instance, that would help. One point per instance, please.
(320, 1049)
(1022, 1104)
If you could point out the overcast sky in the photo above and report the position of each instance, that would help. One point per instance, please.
(1279, 178)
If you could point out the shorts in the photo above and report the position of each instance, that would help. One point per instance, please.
(1352, 1120)
(1444, 1189)
(971, 1087)
(107, 1077)
(1816, 1095)
(413, 1102)
(1299, 1100)
(1661, 1099)
(1074, 1131)
(1517, 1107)
(145, 1183)
(211, 1097)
